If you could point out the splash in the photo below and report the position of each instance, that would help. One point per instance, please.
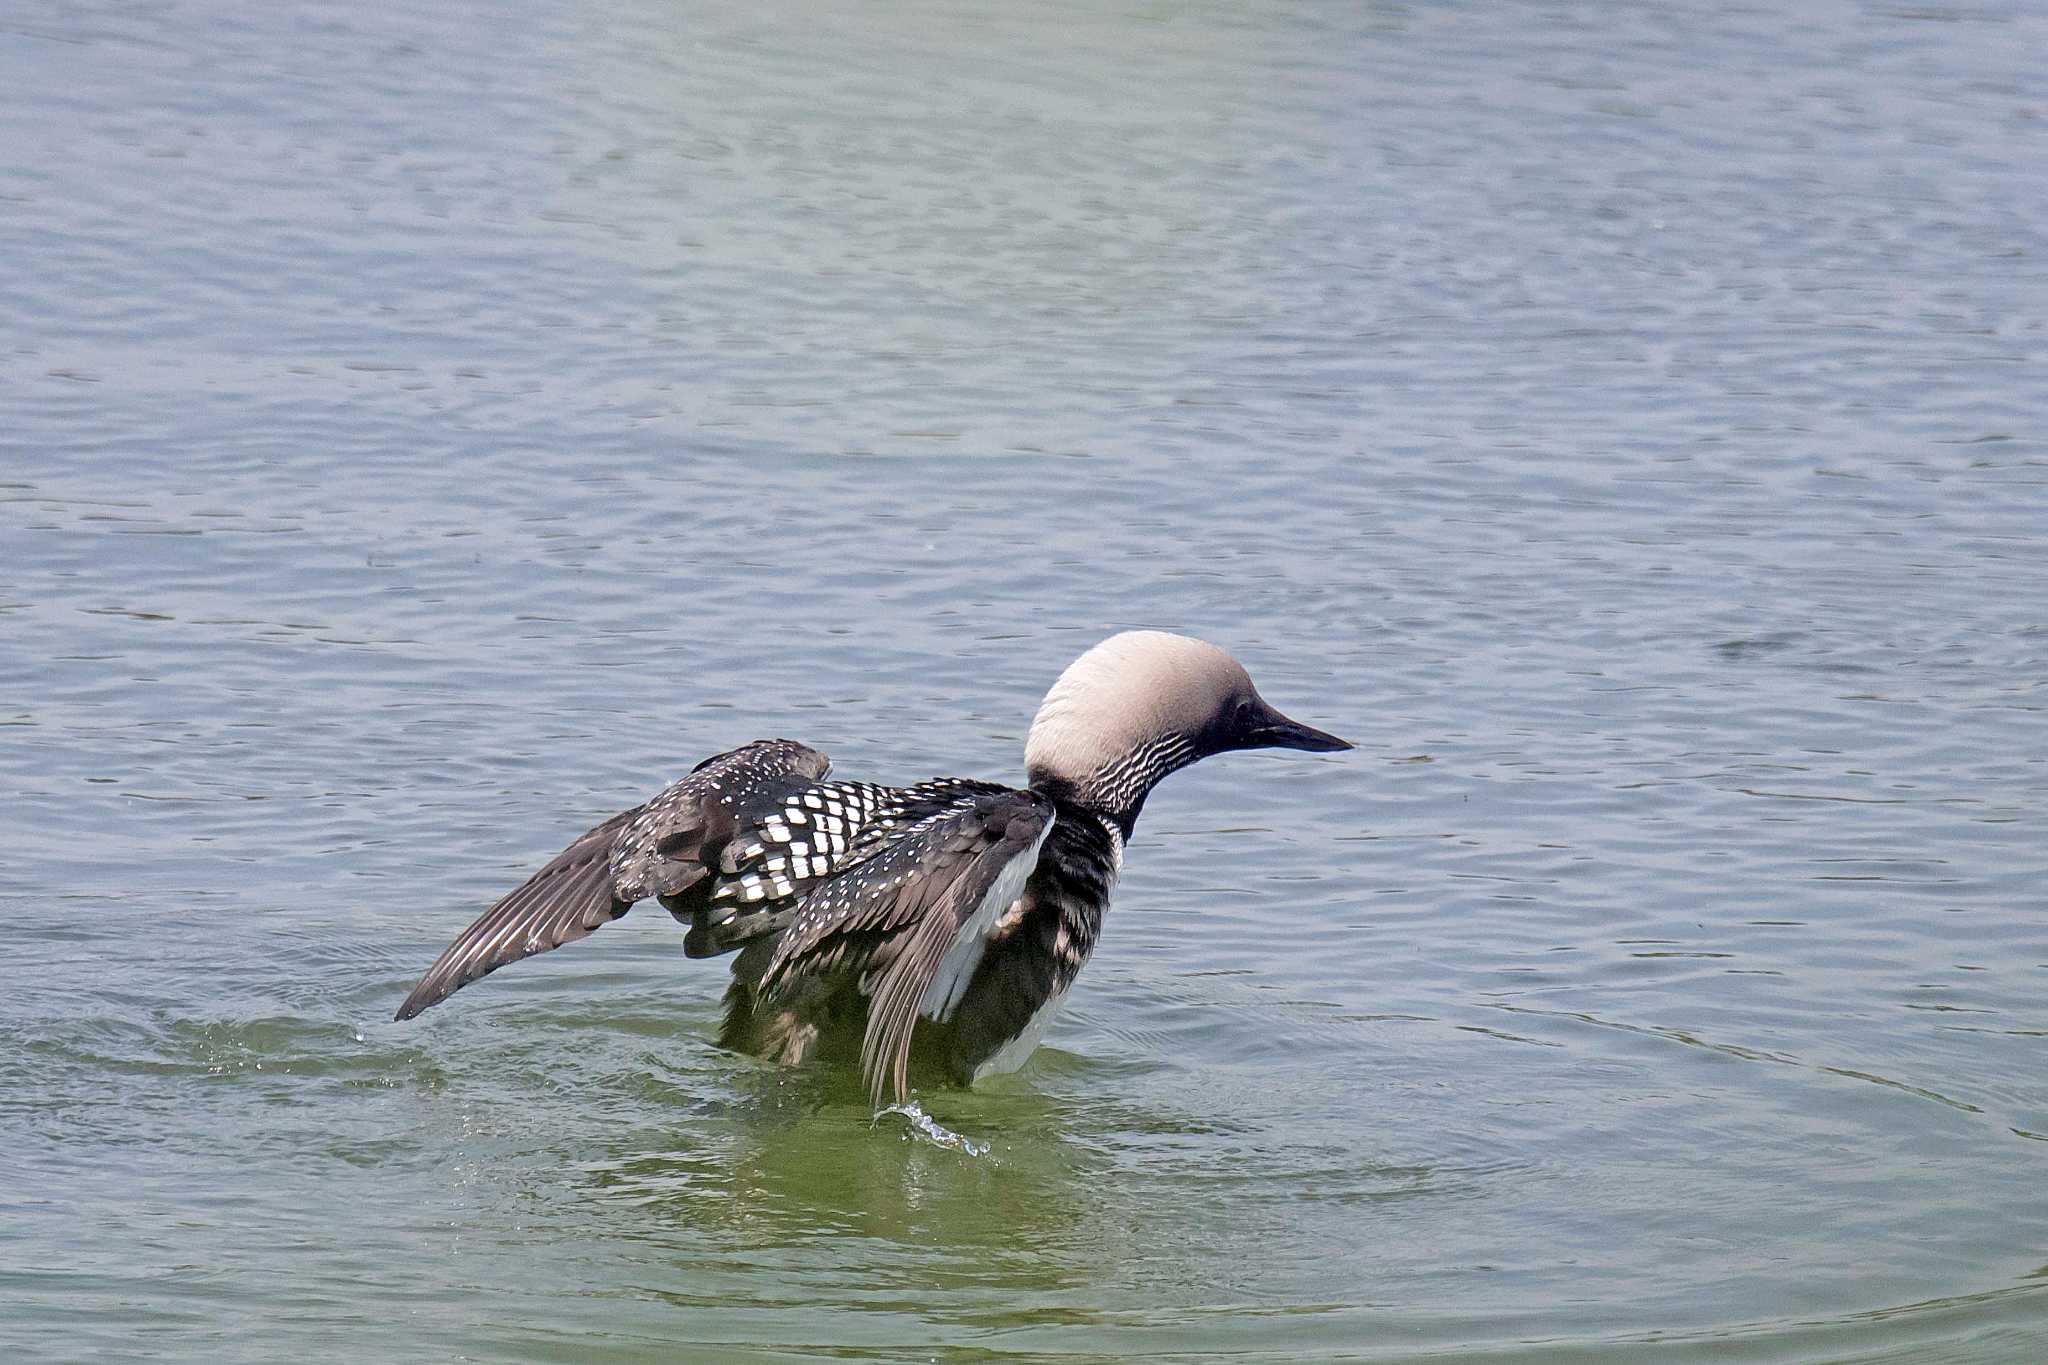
(925, 1128)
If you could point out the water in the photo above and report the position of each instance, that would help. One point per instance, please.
(424, 430)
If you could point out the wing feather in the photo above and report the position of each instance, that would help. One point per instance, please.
(562, 902)
(660, 848)
(892, 1009)
(900, 917)
(767, 870)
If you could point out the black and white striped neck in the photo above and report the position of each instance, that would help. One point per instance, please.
(1117, 791)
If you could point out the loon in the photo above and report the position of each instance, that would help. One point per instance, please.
(941, 923)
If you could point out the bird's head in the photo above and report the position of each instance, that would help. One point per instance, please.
(1141, 705)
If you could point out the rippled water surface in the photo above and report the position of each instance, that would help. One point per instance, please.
(426, 429)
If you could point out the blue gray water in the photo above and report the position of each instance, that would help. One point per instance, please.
(427, 429)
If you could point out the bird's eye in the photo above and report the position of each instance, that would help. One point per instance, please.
(1241, 713)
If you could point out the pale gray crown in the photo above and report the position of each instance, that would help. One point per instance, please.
(1138, 694)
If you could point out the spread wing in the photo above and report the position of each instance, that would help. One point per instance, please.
(913, 918)
(672, 846)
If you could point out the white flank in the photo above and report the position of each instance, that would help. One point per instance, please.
(1014, 1053)
(956, 968)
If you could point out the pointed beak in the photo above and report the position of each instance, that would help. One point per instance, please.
(1271, 730)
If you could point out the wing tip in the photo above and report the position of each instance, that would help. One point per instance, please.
(423, 998)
